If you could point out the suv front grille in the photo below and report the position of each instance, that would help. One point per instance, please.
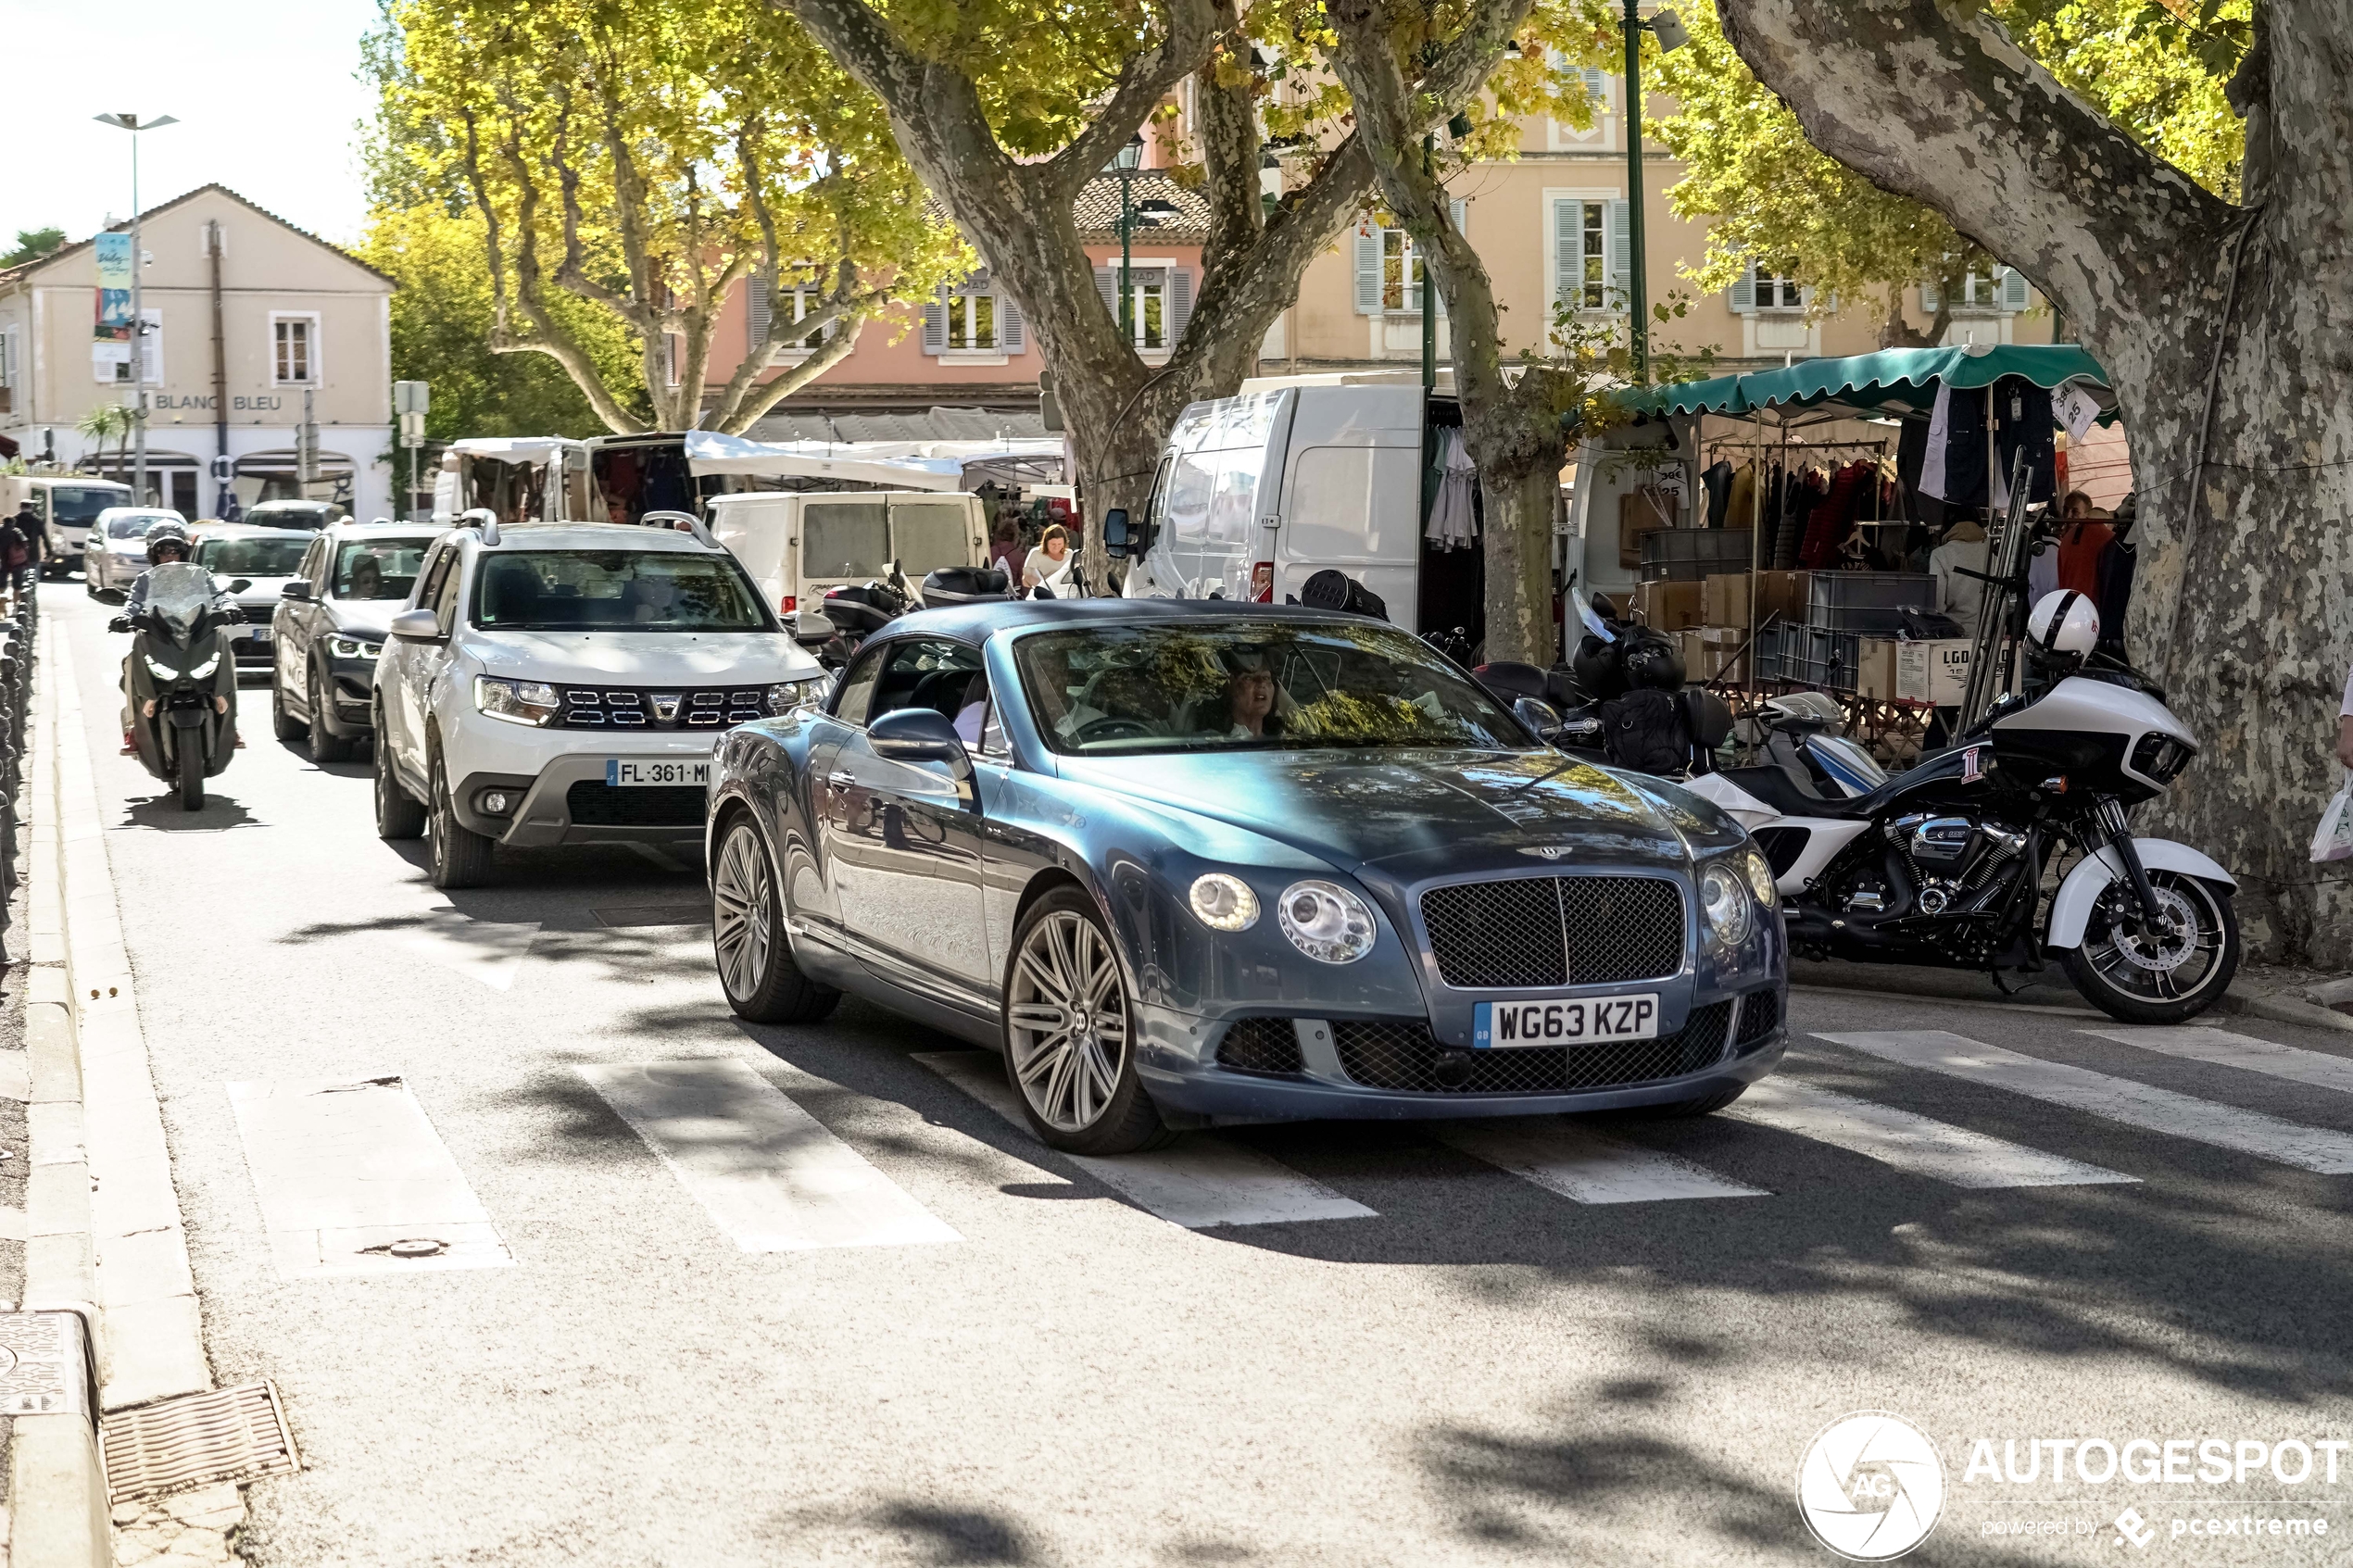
(1384, 1054)
(664, 708)
(1532, 930)
(595, 804)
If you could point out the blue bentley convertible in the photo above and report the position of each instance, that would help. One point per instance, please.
(1188, 861)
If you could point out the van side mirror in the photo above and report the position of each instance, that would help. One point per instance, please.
(1116, 537)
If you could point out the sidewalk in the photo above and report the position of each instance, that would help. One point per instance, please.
(2286, 996)
(106, 1236)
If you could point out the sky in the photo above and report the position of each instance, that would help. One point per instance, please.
(265, 91)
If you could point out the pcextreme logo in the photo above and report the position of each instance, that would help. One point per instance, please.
(1870, 1486)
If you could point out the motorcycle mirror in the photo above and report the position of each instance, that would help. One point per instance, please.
(1539, 716)
(119, 623)
(112, 597)
(239, 584)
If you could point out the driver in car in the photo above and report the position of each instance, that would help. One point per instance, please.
(1250, 696)
(367, 579)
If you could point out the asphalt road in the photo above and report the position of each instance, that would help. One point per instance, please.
(1464, 1360)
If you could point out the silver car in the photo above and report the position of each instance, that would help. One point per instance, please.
(116, 552)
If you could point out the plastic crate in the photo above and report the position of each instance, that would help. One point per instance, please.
(1866, 601)
(1774, 651)
(1688, 555)
(1829, 661)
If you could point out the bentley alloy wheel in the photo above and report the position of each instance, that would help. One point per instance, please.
(756, 967)
(1069, 1044)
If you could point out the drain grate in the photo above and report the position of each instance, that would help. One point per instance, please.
(197, 1439)
(43, 1368)
(653, 914)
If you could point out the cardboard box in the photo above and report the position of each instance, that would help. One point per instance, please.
(1725, 600)
(1668, 605)
(1639, 511)
(1935, 672)
(1783, 593)
(1875, 669)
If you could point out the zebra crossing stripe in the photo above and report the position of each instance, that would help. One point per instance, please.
(2222, 1049)
(2115, 1099)
(1908, 1142)
(768, 1173)
(1586, 1166)
(1203, 1181)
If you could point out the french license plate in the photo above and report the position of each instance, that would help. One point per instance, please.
(623, 772)
(1505, 1026)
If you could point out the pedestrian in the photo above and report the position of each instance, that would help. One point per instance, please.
(1004, 546)
(20, 555)
(1048, 564)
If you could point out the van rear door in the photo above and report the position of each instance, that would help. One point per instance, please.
(1352, 493)
(931, 532)
(843, 539)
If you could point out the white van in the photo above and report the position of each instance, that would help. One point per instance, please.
(797, 545)
(1256, 494)
(66, 505)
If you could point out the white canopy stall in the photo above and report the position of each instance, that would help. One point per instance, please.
(899, 464)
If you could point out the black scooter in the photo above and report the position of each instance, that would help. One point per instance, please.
(180, 679)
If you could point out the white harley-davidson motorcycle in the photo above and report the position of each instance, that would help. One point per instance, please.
(1945, 864)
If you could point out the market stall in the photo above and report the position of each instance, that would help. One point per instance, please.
(1831, 519)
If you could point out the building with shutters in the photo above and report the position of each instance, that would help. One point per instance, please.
(968, 348)
(246, 318)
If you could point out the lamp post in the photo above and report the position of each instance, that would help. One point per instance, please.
(1672, 36)
(1124, 164)
(133, 124)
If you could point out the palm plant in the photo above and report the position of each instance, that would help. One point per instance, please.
(105, 420)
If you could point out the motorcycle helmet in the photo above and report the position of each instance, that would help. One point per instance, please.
(1596, 668)
(173, 533)
(2065, 623)
(1653, 662)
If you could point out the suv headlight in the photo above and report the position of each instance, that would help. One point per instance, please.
(786, 695)
(352, 647)
(1726, 902)
(518, 702)
(1326, 921)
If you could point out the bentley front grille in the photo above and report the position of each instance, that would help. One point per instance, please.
(1520, 933)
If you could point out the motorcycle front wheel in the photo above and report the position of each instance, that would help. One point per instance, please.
(2167, 978)
(190, 763)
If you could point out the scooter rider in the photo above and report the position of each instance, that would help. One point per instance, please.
(167, 544)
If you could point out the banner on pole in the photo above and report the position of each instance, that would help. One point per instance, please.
(114, 287)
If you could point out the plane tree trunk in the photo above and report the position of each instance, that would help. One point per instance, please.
(2228, 331)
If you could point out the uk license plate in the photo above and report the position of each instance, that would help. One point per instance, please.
(1506, 1025)
(623, 772)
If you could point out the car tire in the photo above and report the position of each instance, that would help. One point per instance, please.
(282, 724)
(1070, 1035)
(398, 813)
(325, 745)
(748, 940)
(456, 856)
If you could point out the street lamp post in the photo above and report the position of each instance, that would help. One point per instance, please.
(133, 124)
(1672, 36)
(1124, 163)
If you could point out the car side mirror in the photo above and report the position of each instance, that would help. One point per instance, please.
(416, 626)
(1115, 537)
(297, 589)
(923, 734)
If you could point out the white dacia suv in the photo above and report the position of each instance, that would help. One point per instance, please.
(564, 684)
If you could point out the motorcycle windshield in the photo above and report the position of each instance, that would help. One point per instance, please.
(178, 593)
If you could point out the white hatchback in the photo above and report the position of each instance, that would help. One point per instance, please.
(558, 683)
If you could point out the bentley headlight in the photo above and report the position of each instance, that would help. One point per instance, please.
(1326, 921)
(1761, 878)
(1226, 903)
(1725, 903)
(518, 702)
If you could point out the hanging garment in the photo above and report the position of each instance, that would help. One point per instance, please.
(1832, 521)
(1452, 526)
(1717, 482)
(1954, 466)
(1740, 509)
(2115, 596)
(1962, 597)
(2022, 419)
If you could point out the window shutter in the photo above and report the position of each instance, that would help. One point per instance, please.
(1012, 333)
(759, 308)
(935, 323)
(1927, 297)
(1107, 285)
(1596, 87)
(1458, 209)
(2013, 289)
(1568, 252)
(1180, 303)
(1743, 292)
(1368, 273)
(1621, 247)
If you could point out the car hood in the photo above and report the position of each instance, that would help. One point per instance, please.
(1412, 815)
(367, 617)
(643, 658)
(263, 594)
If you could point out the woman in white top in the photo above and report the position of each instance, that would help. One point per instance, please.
(1048, 564)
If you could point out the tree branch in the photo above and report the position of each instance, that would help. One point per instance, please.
(831, 352)
(1188, 30)
(1225, 123)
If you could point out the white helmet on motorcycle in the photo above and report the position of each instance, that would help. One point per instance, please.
(2064, 622)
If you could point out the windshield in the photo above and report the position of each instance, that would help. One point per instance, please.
(616, 591)
(179, 592)
(1219, 685)
(297, 514)
(252, 557)
(379, 569)
(78, 506)
(135, 525)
